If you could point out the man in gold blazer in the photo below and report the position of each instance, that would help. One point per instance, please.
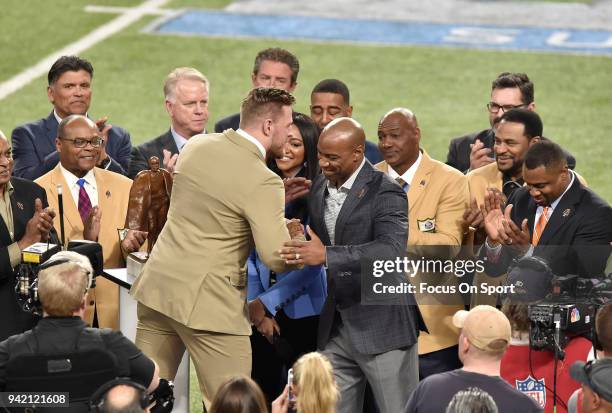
(437, 198)
(78, 144)
(192, 291)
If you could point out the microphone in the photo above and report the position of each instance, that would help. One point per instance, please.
(60, 202)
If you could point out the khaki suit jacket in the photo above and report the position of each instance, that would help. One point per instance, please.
(223, 198)
(113, 197)
(439, 195)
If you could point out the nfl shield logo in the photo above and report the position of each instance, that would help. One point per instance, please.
(533, 388)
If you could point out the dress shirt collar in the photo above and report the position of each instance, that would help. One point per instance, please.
(59, 120)
(250, 138)
(71, 179)
(407, 176)
(554, 204)
(9, 188)
(178, 139)
(348, 184)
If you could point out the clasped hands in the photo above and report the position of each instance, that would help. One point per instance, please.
(299, 253)
(500, 227)
(38, 227)
(264, 324)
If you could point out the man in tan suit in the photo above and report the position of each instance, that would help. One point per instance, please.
(437, 198)
(95, 204)
(192, 291)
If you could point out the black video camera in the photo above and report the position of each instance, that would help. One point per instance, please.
(26, 287)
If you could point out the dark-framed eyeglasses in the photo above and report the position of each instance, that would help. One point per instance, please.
(494, 107)
(95, 142)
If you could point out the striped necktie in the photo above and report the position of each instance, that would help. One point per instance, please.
(402, 183)
(84, 201)
(539, 228)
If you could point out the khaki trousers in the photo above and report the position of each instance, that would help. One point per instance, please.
(216, 356)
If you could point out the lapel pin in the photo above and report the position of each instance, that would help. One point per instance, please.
(566, 213)
(108, 194)
(361, 193)
(20, 205)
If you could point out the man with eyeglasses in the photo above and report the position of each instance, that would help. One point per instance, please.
(95, 205)
(508, 91)
(69, 91)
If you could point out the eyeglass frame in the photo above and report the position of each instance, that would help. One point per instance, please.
(505, 108)
(85, 142)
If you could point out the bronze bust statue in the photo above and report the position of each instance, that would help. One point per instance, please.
(149, 201)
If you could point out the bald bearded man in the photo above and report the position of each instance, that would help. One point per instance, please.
(358, 213)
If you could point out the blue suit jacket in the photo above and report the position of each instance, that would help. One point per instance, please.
(35, 153)
(299, 293)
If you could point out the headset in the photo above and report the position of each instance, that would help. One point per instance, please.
(533, 263)
(96, 403)
(60, 258)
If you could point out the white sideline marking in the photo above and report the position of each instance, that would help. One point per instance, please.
(122, 21)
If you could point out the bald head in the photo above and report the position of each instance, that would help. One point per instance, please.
(3, 136)
(407, 114)
(345, 129)
(399, 138)
(341, 149)
(122, 398)
(73, 120)
(78, 143)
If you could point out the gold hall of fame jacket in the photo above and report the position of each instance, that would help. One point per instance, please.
(437, 199)
(113, 196)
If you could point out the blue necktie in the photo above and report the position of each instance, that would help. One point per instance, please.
(402, 183)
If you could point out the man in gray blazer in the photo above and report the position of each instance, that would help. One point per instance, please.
(359, 214)
(186, 94)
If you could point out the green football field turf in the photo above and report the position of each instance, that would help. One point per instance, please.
(447, 88)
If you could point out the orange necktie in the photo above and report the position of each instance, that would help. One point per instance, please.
(539, 228)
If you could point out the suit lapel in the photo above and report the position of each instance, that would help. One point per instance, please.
(167, 141)
(354, 197)
(317, 202)
(419, 181)
(51, 129)
(20, 218)
(564, 211)
(105, 194)
(71, 211)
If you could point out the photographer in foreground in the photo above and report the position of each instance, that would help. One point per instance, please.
(62, 339)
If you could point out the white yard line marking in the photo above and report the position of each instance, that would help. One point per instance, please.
(128, 16)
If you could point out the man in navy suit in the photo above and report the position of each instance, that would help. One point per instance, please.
(186, 94)
(24, 220)
(358, 213)
(553, 217)
(70, 92)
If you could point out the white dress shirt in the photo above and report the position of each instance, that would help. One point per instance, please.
(90, 186)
